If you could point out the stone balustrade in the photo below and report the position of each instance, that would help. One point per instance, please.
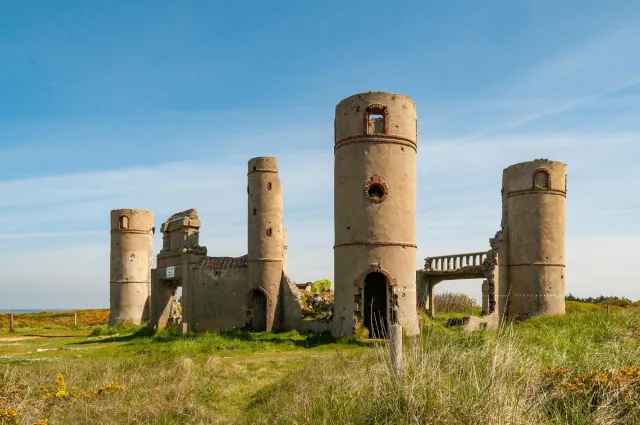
(454, 262)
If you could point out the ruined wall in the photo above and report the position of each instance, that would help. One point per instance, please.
(220, 287)
(130, 265)
(265, 232)
(180, 249)
(535, 213)
(375, 204)
(292, 310)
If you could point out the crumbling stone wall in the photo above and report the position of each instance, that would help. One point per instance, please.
(220, 286)
(181, 250)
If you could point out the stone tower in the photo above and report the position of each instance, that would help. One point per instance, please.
(375, 214)
(534, 211)
(131, 263)
(284, 250)
(265, 242)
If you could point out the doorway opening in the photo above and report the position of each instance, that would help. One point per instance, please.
(257, 311)
(376, 318)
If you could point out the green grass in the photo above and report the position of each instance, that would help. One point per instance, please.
(241, 377)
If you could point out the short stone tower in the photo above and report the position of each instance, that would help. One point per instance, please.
(131, 262)
(265, 242)
(375, 214)
(534, 211)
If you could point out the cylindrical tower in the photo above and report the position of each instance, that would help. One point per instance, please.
(534, 196)
(375, 214)
(265, 247)
(131, 263)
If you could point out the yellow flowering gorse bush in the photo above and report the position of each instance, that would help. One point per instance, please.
(621, 385)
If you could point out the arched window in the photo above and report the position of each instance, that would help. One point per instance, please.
(376, 119)
(541, 179)
(123, 222)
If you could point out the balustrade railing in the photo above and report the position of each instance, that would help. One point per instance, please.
(455, 262)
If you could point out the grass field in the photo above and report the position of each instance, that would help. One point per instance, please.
(578, 369)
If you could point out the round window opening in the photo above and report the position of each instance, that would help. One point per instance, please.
(376, 191)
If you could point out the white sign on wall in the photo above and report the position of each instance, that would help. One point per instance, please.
(171, 272)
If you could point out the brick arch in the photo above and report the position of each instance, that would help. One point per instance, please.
(376, 108)
(374, 268)
(546, 172)
(123, 222)
(250, 296)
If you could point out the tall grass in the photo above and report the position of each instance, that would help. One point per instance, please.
(578, 369)
(486, 377)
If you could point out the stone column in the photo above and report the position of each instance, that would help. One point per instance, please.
(535, 197)
(375, 209)
(131, 262)
(265, 235)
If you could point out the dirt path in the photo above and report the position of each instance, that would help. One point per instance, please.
(17, 338)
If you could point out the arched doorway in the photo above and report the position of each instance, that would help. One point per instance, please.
(257, 311)
(376, 305)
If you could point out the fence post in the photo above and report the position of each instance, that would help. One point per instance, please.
(395, 345)
(607, 308)
(10, 322)
(75, 319)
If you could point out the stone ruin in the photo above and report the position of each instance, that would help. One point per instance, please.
(376, 284)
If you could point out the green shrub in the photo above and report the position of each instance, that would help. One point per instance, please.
(448, 302)
(319, 286)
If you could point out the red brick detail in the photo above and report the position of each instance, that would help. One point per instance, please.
(392, 140)
(380, 109)
(374, 243)
(374, 268)
(536, 192)
(262, 170)
(533, 178)
(376, 180)
(141, 232)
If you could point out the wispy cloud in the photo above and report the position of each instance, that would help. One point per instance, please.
(458, 210)
(48, 235)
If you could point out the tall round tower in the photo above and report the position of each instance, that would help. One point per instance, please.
(534, 196)
(375, 214)
(265, 241)
(131, 263)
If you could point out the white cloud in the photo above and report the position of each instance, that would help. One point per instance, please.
(458, 211)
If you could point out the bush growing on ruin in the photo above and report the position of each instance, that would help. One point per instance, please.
(321, 286)
(448, 302)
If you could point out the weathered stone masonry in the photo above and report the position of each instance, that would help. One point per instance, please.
(376, 284)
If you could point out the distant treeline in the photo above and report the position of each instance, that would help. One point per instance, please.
(611, 300)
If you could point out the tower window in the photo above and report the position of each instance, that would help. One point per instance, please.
(376, 120)
(123, 222)
(269, 231)
(541, 179)
(269, 186)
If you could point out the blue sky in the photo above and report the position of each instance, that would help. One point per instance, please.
(159, 105)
